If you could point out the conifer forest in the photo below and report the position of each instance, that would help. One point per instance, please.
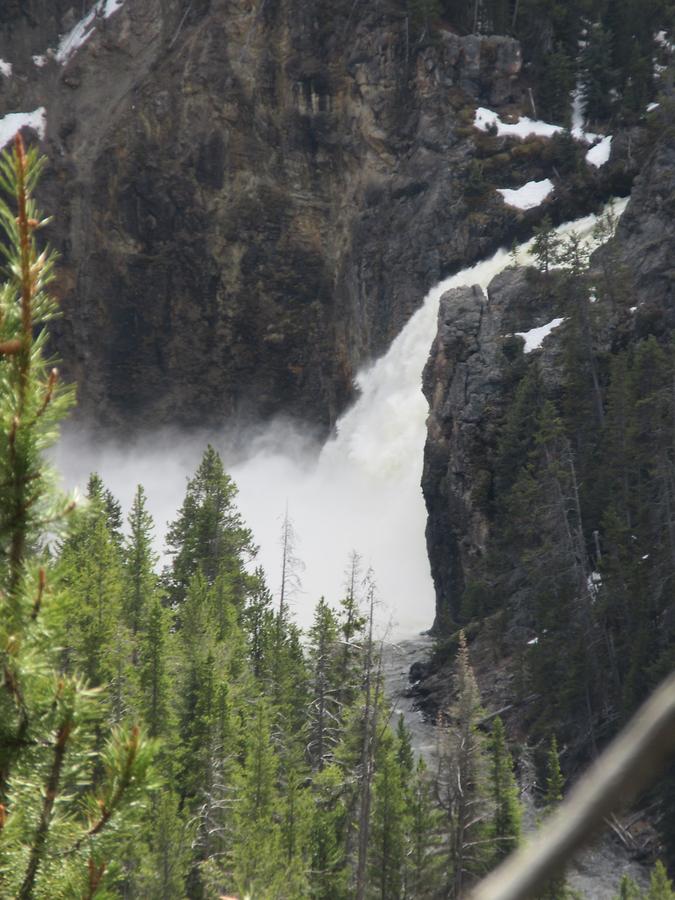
(433, 242)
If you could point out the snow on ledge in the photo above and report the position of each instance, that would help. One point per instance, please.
(599, 154)
(71, 42)
(10, 124)
(485, 118)
(535, 337)
(529, 195)
(5, 68)
(40, 60)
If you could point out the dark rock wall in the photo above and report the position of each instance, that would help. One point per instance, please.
(465, 378)
(251, 197)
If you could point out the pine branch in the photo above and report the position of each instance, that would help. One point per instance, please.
(50, 794)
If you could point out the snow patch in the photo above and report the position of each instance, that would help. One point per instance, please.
(10, 124)
(599, 154)
(40, 60)
(524, 127)
(80, 33)
(661, 38)
(529, 195)
(652, 106)
(5, 68)
(534, 338)
(594, 583)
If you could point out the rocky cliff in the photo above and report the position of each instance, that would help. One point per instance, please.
(252, 197)
(476, 357)
(226, 178)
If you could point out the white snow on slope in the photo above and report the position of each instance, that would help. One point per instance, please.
(5, 68)
(10, 124)
(522, 128)
(599, 154)
(661, 38)
(535, 337)
(78, 35)
(39, 60)
(653, 106)
(529, 195)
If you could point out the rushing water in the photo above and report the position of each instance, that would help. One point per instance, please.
(360, 491)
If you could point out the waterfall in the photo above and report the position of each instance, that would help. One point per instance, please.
(361, 491)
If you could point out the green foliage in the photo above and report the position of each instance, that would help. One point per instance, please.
(599, 79)
(555, 85)
(68, 795)
(208, 534)
(660, 886)
(504, 794)
(462, 783)
(628, 889)
(546, 246)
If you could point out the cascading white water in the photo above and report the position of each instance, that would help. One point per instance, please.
(361, 491)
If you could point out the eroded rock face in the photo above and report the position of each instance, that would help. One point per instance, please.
(646, 239)
(465, 384)
(251, 197)
(466, 376)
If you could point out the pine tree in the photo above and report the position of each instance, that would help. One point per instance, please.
(660, 886)
(54, 840)
(555, 85)
(423, 874)
(546, 246)
(557, 887)
(90, 568)
(628, 889)
(209, 533)
(328, 836)
(461, 787)
(140, 581)
(154, 677)
(257, 854)
(504, 794)
(389, 825)
(324, 711)
(599, 79)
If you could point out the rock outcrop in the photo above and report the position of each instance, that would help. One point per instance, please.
(466, 379)
(466, 386)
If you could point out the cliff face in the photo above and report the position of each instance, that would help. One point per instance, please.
(467, 376)
(235, 184)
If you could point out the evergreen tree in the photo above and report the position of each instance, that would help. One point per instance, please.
(140, 581)
(555, 85)
(154, 675)
(423, 874)
(329, 836)
(209, 534)
(546, 246)
(461, 786)
(557, 887)
(387, 844)
(59, 833)
(324, 711)
(598, 77)
(660, 886)
(507, 812)
(628, 889)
